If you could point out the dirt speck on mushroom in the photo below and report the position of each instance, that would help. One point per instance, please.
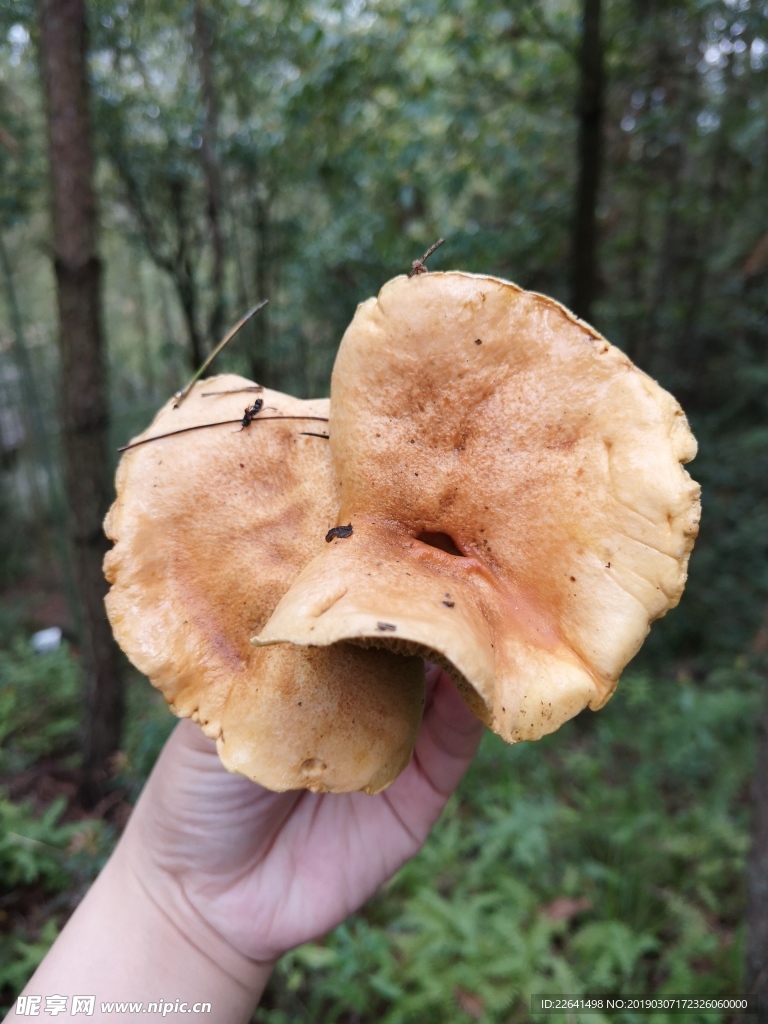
(338, 531)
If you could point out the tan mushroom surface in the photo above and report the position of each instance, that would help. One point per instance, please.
(211, 527)
(516, 495)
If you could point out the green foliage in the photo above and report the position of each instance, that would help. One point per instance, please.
(47, 859)
(32, 848)
(729, 573)
(606, 858)
(40, 706)
(20, 957)
(13, 554)
(44, 864)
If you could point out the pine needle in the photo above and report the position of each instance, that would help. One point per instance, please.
(181, 395)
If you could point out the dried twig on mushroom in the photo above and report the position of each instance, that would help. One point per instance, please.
(417, 267)
(221, 423)
(231, 391)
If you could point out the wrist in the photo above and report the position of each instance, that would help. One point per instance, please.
(134, 943)
(186, 943)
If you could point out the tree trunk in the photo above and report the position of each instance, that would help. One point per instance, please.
(211, 169)
(145, 331)
(756, 952)
(84, 410)
(169, 380)
(185, 289)
(656, 332)
(635, 336)
(260, 356)
(182, 271)
(589, 160)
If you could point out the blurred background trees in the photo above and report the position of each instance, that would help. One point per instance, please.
(613, 154)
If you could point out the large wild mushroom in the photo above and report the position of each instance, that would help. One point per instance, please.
(211, 526)
(518, 506)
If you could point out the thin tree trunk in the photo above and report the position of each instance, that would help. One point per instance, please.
(83, 372)
(177, 261)
(173, 344)
(185, 289)
(182, 272)
(637, 341)
(260, 356)
(144, 329)
(756, 952)
(584, 269)
(211, 169)
(244, 299)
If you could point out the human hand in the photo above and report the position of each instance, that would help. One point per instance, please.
(268, 871)
(216, 877)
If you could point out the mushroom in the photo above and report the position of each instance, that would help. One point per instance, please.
(518, 506)
(211, 526)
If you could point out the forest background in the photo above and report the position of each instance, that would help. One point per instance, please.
(614, 155)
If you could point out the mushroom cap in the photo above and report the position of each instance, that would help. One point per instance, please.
(515, 489)
(211, 527)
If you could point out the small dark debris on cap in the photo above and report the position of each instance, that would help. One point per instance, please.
(478, 341)
(449, 604)
(338, 531)
(386, 627)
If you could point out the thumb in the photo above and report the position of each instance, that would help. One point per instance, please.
(447, 742)
(449, 736)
